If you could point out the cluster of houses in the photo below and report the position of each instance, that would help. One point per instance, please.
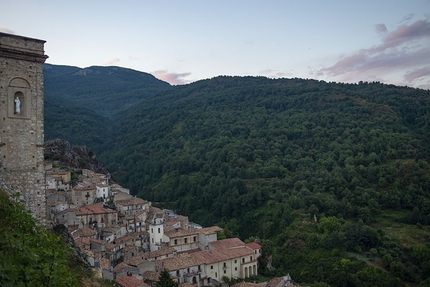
(128, 240)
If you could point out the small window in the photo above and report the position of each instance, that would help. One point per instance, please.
(195, 238)
(186, 240)
(235, 261)
(225, 271)
(212, 267)
(235, 268)
(176, 241)
(159, 230)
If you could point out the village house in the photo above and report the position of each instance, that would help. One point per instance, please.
(111, 233)
(185, 268)
(96, 215)
(129, 281)
(136, 221)
(116, 188)
(67, 217)
(141, 263)
(58, 179)
(123, 269)
(102, 191)
(131, 206)
(83, 194)
(236, 262)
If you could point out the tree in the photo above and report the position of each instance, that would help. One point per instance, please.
(165, 280)
(29, 254)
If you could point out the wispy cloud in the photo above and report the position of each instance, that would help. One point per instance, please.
(5, 29)
(405, 51)
(112, 62)
(381, 28)
(274, 73)
(171, 78)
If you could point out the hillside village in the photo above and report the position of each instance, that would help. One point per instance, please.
(128, 240)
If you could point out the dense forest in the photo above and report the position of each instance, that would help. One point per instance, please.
(80, 104)
(333, 179)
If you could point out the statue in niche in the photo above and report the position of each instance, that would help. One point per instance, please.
(17, 106)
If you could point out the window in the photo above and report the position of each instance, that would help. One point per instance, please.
(195, 238)
(235, 261)
(250, 258)
(225, 271)
(176, 241)
(186, 240)
(212, 267)
(177, 273)
(152, 230)
(225, 265)
(243, 260)
(158, 229)
(235, 268)
(216, 274)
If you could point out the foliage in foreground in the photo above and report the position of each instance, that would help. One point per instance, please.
(29, 254)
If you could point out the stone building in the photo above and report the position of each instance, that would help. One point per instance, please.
(22, 169)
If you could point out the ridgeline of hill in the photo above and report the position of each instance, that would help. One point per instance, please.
(334, 179)
(81, 103)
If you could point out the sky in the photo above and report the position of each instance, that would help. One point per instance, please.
(183, 41)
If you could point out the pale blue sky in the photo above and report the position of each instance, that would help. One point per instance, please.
(188, 40)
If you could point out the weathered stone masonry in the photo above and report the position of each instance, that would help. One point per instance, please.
(21, 120)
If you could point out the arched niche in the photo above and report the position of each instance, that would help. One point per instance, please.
(19, 100)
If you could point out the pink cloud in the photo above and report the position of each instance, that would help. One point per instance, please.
(381, 28)
(112, 62)
(417, 74)
(404, 49)
(5, 29)
(171, 78)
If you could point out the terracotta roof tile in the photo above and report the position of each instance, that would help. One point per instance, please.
(179, 261)
(129, 281)
(165, 250)
(206, 231)
(227, 243)
(151, 275)
(212, 256)
(247, 284)
(132, 201)
(253, 245)
(93, 209)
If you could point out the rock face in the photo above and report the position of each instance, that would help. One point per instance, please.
(73, 156)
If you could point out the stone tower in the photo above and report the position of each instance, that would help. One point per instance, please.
(21, 121)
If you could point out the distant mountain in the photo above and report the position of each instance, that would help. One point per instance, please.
(80, 104)
(333, 179)
(105, 90)
(327, 176)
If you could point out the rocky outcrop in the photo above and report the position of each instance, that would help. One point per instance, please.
(79, 157)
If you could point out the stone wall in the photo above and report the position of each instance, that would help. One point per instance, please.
(21, 121)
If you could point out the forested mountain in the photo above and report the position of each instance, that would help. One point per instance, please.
(105, 90)
(80, 104)
(333, 179)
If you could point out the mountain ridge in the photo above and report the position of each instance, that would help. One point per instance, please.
(319, 172)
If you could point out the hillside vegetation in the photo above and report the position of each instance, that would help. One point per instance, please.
(82, 103)
(333, 179)
(32, 256)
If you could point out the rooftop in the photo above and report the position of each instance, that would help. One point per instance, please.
(130, 281)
